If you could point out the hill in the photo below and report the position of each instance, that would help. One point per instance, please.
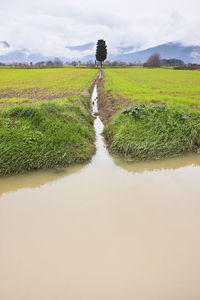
(189, 54)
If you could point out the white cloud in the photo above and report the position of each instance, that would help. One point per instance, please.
(48, 26)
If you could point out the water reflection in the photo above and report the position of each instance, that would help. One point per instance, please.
(36, 179)
(102, 163)
(174, 163)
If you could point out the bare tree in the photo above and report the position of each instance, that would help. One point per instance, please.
(153, 61)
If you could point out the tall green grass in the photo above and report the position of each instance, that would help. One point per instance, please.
(44, 136)
(143, 132)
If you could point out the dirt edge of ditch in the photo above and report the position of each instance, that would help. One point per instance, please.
(108, 105)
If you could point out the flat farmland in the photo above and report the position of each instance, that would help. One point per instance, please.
(154, 86)
(30, 85)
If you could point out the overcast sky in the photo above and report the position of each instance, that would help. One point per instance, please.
(48, 26)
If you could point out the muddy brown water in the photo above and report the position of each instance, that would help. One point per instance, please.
(108, 230)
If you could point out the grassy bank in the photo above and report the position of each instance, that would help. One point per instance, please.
(143, 132)
(45, 119)
(44, 136)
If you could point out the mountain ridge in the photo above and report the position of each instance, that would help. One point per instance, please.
(189, 54)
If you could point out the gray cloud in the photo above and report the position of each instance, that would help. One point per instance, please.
(48, 26)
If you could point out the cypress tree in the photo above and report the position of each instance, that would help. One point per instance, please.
(101, 51)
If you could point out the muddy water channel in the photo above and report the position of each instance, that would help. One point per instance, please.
(109, 230)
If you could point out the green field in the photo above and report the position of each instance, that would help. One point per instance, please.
(45, 119)
(32, 85)
(155, 86)
(163, 117)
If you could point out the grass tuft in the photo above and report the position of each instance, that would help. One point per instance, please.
(142, 132)
(44, 136)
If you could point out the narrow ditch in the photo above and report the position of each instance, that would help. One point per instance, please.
(101, 150)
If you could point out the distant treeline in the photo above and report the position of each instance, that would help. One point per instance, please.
(179, 64)
(56, 63)
(188, 67)
(153, 62)
(172, 62)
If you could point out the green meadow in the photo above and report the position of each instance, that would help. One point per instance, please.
(163, 117)
(31, 85)
(45, 119)
(155, 86)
